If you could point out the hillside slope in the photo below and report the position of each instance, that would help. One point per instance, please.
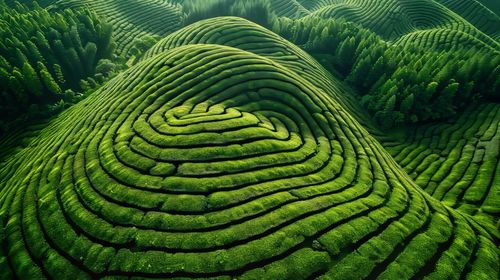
(456, 162)
(430, 23)
(454, 23)
(132, 19)
(493, 5)
(245, 35)
(477, 14)
(209, 161)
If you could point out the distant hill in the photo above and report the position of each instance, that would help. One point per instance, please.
(454, 21)
(394, 20)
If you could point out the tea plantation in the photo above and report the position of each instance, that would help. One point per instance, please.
(216, 147)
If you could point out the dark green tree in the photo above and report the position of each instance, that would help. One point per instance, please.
(407, 103)
(33, 84)
(47, 79)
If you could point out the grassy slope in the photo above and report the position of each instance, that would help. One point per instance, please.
(210, 161)
(477, 14)
(450, 21)
(464, 145)
(469, 10)
(289, 8)
(419, 154)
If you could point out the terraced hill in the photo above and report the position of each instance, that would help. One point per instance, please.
(245, 35)
(132, 19)
(209, 161)
(289, 8)
(456, 162)
(450, 21)
(262, 42)
(426, 23)
(476, 13)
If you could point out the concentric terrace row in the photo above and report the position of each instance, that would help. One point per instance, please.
(207, 161)
(245, 35)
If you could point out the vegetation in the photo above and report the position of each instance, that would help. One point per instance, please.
(396, 19)
(237, 153)
(476, 13)
(455, 162)
(45, 56)
(362, 142)
(257, 11)
(401, 84)
(493, 5)
(132, 19)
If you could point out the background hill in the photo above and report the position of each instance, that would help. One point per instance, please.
(421, 21)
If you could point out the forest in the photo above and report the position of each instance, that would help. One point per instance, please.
(250, 139)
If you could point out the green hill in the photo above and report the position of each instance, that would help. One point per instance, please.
(241, 33)
(452, 22)
(477, 14)
(456, 162)
(209, 161)
(393, 20)
(250, 139)
(132, 19)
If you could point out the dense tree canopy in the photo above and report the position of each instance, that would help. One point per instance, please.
(258, 11)
(400, 83)
(43, 54)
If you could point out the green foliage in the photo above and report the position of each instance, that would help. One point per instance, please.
(48, 81)
(142, 45)
(130, 19)
(227, 160)
(45, 53)
(31, 80)
(419, 84)
(30, 4)
(448, 161)
(258, 11)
